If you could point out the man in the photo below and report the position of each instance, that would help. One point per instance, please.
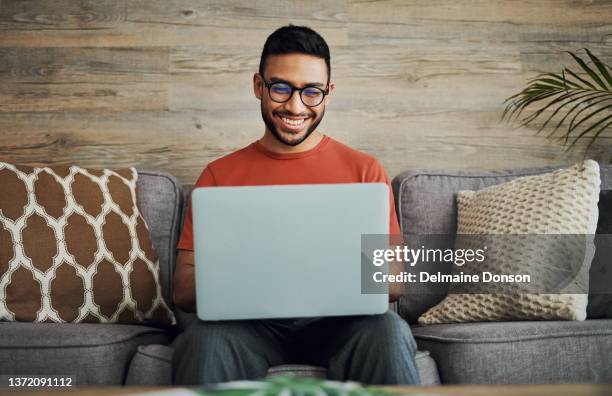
(294, 87)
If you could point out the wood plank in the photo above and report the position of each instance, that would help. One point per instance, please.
(69, 79)
(552, 57)
(483, 154)
(523, 12)
(492, 23)
(107, 97)
(180, 143)
(56, 15)
(213, 60)
(234, 13)
(84, 65)
(409, 33)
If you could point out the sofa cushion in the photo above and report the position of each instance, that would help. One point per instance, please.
(428, 371)
(94, 353)
(78, 249)
(425, 203)
(151, 366)
(520, 352)
(297, 370)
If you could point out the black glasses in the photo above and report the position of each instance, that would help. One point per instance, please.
(281, 92)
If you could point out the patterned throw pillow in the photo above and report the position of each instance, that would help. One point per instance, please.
(75, 248)
(560, 203)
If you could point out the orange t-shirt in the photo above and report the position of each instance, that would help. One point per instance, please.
(328, 162)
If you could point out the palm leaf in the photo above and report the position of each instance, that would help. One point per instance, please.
(587, 69)
(581, 94)
(591, 95)
(602, 67)
(587, 117)
(573, 123)
(597, 133)
(563, 81)
(577, 77)
(519, 105)
(562, 98)
(583, 133)
(531, 118)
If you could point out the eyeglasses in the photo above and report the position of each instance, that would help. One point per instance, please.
(281, 92)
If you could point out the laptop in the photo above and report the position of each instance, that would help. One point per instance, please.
(285, 251)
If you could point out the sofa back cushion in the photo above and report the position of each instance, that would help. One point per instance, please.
(426, 205)
(161, 202)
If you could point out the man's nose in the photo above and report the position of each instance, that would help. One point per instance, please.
(294, 104)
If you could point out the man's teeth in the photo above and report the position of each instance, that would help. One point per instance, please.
(292, 122)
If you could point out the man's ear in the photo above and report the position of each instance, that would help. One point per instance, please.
(257, 85)
(331, 88)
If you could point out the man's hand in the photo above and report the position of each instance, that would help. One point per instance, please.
(396, 289)
(184, 281)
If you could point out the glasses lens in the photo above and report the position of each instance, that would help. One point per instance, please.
(280, 92)
(312, 96)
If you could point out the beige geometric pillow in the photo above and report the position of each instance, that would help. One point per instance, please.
(562, 202)
(74, 247)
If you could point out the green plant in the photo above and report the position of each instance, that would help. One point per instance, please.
(570, 95)
(291, 386)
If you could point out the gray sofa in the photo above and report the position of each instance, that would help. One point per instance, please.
(510, 352)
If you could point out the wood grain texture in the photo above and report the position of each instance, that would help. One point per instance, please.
(166, 85)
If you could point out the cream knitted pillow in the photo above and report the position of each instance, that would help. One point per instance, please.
(559, 203)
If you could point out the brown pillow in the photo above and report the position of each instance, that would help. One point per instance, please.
(75, 248)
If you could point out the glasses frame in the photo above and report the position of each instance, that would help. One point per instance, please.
(293, 89)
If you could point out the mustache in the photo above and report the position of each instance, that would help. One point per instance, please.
(286, 114)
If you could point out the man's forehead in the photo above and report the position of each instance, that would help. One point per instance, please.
(297, 69)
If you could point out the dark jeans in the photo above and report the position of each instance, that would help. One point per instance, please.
(377, 349)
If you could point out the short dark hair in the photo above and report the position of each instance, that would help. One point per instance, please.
(293, 39)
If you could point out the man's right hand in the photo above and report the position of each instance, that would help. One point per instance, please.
(184, 281)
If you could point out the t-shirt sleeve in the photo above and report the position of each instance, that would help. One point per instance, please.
(206, 179)
(376, 174)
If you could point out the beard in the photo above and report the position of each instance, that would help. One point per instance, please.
(275, 132)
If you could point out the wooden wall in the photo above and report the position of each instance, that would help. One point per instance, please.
(166, 84)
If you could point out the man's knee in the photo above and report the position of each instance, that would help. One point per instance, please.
(389, 322)
(210, 352)
(388, 327)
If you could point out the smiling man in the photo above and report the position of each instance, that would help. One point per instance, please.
(293, 86)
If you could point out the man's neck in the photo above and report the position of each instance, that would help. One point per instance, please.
(272, 144)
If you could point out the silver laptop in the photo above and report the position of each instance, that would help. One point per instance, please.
(286, 251)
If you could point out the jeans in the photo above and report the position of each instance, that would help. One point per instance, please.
(372, 349)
